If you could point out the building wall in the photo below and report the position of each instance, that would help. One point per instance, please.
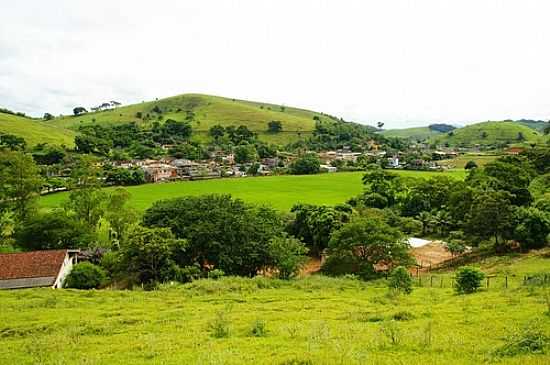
(27, 282)
(66, 268)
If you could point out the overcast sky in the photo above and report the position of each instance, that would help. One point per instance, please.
(406, 63)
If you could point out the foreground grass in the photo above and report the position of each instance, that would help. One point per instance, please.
(281, 192)
(315, 320)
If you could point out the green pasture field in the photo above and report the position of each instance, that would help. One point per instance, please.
(281, 192)
(36, 131)
(313, 320)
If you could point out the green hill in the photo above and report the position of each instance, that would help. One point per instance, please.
(35, 131)
(204, 111)
(490, 133)
(537, 125)
(414, 134)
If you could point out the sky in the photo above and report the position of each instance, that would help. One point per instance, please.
(404, 63)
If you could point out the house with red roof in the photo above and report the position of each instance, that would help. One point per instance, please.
(36, 268)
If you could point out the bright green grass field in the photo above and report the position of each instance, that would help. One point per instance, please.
(35, 131)
(315, 320)
(418, 133)
(281, 192)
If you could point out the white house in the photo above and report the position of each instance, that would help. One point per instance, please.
(36, 268)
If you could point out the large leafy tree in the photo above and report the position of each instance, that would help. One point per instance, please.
(221, 231)
(20, 183)
(379, 182)
(532, 227)
(491, 215)
(370, 242)
(314, 224)
(305, 165)
(147, 254)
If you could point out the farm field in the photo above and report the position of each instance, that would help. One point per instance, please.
(36, 131)
(281, 192)
(314, 320)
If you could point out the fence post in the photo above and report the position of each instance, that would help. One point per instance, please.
(431, 281)
(420, 281)
(441, 283)
(487, 282)
(506, 281)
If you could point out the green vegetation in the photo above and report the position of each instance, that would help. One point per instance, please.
(414, 134)
(496, 134)
(206, 111)
(35, 131)
(315, 320)
(281, 192)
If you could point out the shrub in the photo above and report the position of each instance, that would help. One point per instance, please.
(530, 339)
(258, 328)
(468, 280)
(470, 165)
(85, 276)
(219, 327)
(401, 280)
(216, 274)
(402, 316)
(288, 255)
(187, 274)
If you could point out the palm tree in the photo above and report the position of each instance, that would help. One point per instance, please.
(425, 218)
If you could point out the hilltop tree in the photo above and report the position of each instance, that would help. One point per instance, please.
(48, 116)
(79, 110)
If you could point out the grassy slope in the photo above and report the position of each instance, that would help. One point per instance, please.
(497, 132)
(419, 133)
(316, 319)
(209, 111)
(281, 192)
(538, 125)
(35, 131)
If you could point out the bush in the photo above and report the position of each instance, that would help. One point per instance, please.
(530, 339)
(219, 327)
(468, 280)
(85, 276)
(258, 329)
(216, 274)
(401, 280)
(187, 274)
(288, 255)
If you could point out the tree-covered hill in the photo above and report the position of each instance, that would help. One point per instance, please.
(205, 111)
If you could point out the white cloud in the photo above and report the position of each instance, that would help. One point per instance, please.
(402, 62)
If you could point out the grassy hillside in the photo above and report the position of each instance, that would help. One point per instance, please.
(281, 192)
(206, 111)
(314, 320)
(35, 131)
(414, 134)
(490, 133)
(537, 125)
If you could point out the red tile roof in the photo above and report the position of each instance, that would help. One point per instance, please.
(31, 264)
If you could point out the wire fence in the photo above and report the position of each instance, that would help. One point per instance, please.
(489, 282)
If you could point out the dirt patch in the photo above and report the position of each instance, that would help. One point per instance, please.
(431, 255)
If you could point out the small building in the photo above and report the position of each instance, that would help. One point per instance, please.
(159, 172)
(36, 269)
(514, 150)
(328, 168)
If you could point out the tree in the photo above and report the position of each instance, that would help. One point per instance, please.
(531, 228)
(245, 153)
(380, 125)
(53, 230)
(21, 183)
(118, 214)
(314, 224)
(470, 165)
(401, 280)
(382, 182)
(12, 142)
(520, 137)
(468, 280)
(287, 255)
(222, 232)
(491, 215)
(306, 165)
(79, 110)
(85, 276)
(217, 131)
(48, 116)
(147, 254)
(546, 129)
(48, 155)
(274, 126)
(370, 242)
(86, 200)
